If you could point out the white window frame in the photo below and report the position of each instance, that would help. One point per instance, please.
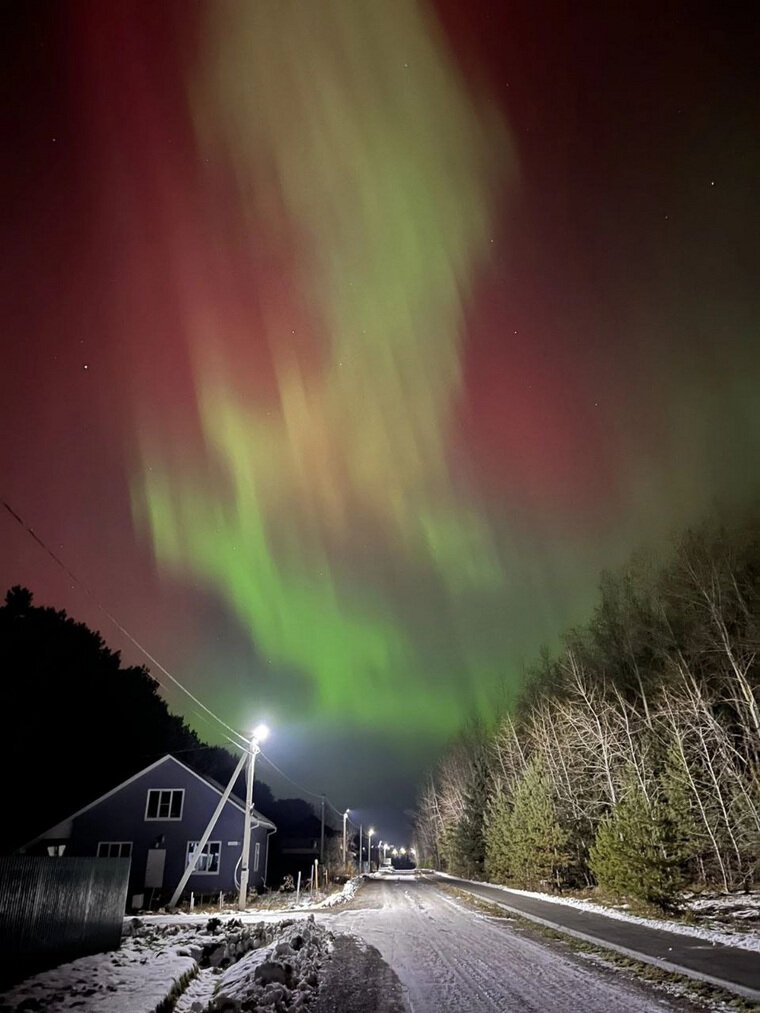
(110, 844)
(191, 846)
(164, 819)
(256, 855)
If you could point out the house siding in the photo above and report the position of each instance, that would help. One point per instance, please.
(120, 816)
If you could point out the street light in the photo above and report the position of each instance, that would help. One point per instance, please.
(258, 735)
(370, 834)
(345, 817)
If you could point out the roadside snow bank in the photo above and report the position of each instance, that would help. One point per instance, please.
(129, 980)
(283, 975)
(222, 966)
(742, 940)
(347, 893)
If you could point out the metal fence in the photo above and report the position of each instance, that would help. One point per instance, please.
(56, 909)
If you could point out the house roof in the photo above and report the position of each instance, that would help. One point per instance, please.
(233, 800)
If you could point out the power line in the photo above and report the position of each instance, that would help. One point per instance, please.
(125, 632)
(118, 625)
(301, 787)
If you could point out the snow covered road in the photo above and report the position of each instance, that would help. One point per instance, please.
(451, 958)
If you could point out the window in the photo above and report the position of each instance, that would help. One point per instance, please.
(209, 859)
(115, 849)
(164, 804)
(256, 853)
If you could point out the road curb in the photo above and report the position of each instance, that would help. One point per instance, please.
(644, 958)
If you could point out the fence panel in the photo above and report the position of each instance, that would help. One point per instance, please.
(56, 909)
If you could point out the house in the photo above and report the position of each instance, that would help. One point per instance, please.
(299, 844)
(156, 818)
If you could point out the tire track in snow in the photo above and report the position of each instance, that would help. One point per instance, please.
(453, 960)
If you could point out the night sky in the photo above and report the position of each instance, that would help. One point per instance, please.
(346, 342)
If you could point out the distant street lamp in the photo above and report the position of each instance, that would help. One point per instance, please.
(258, 735)
(345, 817)
(370, 834)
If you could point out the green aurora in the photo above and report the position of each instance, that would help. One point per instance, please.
(352, 137)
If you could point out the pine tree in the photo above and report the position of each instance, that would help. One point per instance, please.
(638, 851)
(496, 832)
(469, 847)
(534, 848)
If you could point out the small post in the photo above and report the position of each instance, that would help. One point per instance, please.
(221, 899)
(192, 901)
(316, 874)
(298, 887)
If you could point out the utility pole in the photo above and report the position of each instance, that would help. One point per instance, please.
(195, 855)
(345, 817)
(322, 835)
(361, 856)
(259, 733)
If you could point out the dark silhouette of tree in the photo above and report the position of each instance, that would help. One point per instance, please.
(76, 721)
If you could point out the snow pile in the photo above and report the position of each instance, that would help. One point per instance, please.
(347, 893)
(223, 966)
(282, 976)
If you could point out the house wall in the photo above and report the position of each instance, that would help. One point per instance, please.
(121, 817)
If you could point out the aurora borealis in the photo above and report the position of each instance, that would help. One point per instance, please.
(384, 199)
(348, 341)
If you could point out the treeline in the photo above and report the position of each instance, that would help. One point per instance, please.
(633, 758)
(77, 722)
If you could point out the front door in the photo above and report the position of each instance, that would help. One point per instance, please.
(154, 869)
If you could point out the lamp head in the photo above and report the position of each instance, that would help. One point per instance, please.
(259, 733)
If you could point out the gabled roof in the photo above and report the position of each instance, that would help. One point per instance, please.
(233, 800)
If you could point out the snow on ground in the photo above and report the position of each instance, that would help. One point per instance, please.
(453, 960)
(129, 980)
(735, 909)
(742, 939)
(220, 966)
(267, 907)
(347, 893)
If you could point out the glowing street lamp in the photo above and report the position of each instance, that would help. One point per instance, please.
(370, 834)
(258, 735)
(345, 817)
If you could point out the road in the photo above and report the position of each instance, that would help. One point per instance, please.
(732, 968)
(449, 957)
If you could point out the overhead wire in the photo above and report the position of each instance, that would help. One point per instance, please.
(243, 743)
(125, 632)
(301, 787)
